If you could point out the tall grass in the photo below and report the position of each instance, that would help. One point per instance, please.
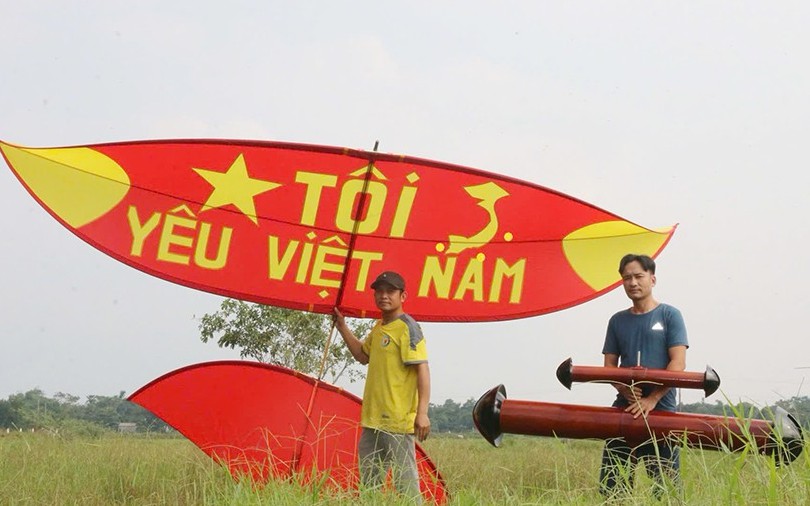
(45, 469)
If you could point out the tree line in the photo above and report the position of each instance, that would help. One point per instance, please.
(64, 412)
(98, 413)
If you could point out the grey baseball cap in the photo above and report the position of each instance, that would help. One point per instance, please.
(391, 278)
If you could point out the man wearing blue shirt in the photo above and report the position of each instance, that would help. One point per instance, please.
(651, 335)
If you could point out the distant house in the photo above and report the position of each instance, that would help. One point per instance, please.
(127, 427)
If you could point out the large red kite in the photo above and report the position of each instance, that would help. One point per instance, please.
(307, 227)
(263, 420)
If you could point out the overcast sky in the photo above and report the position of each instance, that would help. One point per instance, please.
(684, 113)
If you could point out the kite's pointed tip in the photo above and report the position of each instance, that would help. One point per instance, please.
(97, 183)
(668, 230)
(5, 145)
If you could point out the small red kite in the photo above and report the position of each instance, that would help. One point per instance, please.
(264, 421)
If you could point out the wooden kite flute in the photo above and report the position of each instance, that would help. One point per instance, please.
(569, 373)
(495, 415)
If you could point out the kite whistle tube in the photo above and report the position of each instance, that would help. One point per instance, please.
(495, 415)
(569, 373)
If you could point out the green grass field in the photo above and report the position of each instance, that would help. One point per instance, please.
(42, 469)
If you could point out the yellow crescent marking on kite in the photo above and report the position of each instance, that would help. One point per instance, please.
(594, 251)
(487, 194)
(78, 184)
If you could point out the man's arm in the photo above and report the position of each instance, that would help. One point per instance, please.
(355, 345)
(421, 424)
(677, 362)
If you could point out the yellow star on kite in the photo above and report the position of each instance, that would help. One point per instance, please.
(235, 187)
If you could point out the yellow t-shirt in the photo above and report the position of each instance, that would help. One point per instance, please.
(390, 397)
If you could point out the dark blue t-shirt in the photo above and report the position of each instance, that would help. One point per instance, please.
(652, 334)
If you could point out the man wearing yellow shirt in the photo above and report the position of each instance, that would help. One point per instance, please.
(397, 391)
